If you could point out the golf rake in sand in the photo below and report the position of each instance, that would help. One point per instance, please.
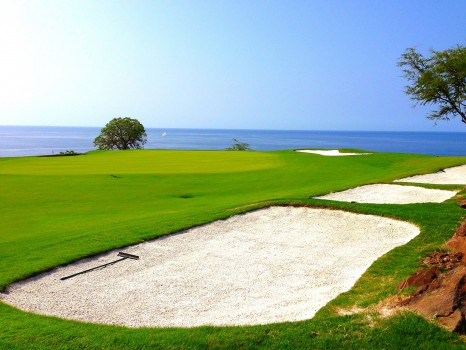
(123, 256)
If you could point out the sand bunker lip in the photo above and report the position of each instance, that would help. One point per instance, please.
(270, 265)
(390, 194)
(449, 176)
(330, 153)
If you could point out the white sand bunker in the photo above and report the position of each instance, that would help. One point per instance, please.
(270, 265)
(332, 152)
(390, 194)
(449, 176)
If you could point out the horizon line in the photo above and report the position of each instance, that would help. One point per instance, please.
(233, 129)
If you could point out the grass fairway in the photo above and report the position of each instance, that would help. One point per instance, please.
(58, 209)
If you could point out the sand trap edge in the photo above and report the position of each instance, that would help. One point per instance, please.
(330, 153)
(309, 312)
(449, 176)
(390, 194)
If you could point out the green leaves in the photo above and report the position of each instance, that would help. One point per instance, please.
(121, 133)
(239, 146)
(439, 79)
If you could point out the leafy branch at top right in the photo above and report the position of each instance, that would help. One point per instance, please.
(438, 80)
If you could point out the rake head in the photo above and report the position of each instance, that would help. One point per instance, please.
(129, 256)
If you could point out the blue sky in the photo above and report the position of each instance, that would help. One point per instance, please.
(310, 65)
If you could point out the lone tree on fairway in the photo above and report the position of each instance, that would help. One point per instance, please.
(439, 79)
(121, 133)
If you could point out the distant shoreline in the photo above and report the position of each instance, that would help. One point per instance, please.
(18, 141)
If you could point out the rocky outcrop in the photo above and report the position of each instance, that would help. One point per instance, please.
(457, 243)
(441, 295)
(421, 279)
(444, 260)
(446, 301)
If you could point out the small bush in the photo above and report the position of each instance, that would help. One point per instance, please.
(238, 146)
(69, 153)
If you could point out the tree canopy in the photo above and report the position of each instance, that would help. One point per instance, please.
(121, 133)
(438, 80)
(239, 146)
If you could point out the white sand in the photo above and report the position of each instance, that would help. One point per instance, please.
(331, 153)
(390, 194)
(271, 265)
(449, 176)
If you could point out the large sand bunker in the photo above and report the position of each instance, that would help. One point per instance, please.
(449, 176)
(390, 194)
(271, 265)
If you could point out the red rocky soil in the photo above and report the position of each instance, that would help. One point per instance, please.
(442, 295)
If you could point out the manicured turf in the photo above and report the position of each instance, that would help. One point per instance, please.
(58, 209)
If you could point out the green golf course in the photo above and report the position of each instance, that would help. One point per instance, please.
(56, 210)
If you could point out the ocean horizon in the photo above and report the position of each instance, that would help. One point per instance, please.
(16, 141)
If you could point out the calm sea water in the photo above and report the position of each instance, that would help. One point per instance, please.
(28, 140)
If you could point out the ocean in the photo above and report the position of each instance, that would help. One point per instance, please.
(18, 141)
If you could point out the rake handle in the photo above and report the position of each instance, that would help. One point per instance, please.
(94, 268)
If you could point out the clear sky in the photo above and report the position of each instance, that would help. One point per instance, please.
(253, 64)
